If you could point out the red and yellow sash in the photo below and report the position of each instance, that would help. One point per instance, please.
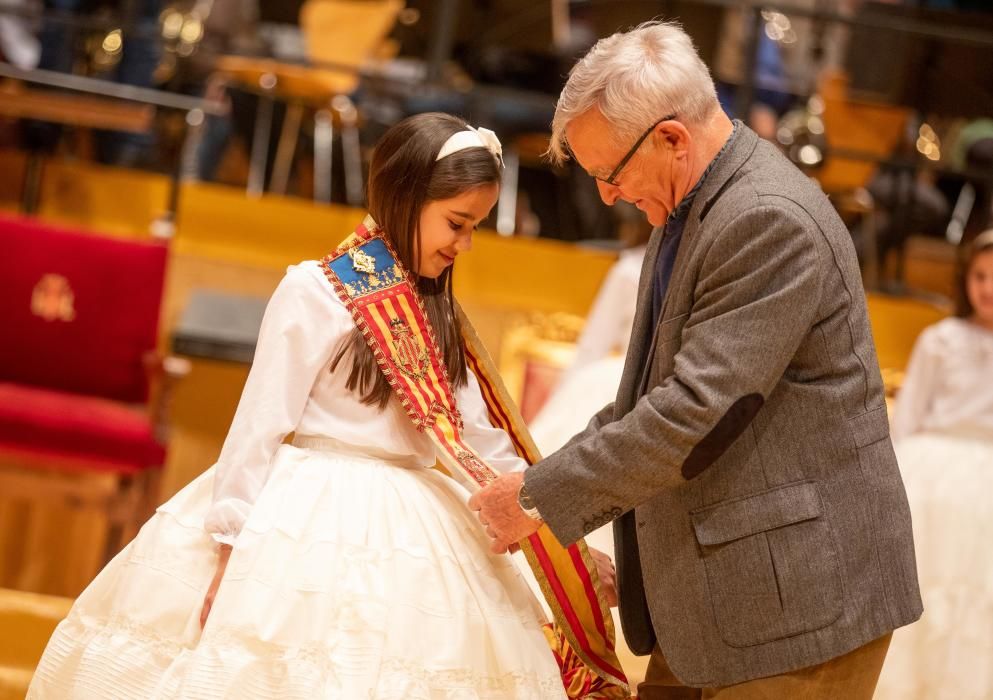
(370, 280)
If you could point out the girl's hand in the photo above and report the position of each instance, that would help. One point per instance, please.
(208, 599)
(607, 575)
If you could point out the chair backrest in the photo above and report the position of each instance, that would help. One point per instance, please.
(78, 311)
(346, 32)
(855, 125)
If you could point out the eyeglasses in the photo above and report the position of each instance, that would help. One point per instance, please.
(630, 154)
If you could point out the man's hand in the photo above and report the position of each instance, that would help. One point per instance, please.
(500, 513)
(605, 572)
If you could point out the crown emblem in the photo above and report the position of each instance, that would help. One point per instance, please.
(52, 299)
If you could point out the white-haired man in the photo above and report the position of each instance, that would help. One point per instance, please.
(763, 538)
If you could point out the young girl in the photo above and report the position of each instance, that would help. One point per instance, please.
(943, 423)
(340, 565)
(948, 380)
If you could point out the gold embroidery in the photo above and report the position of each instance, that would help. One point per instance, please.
(471, 464)
(53, 299)
(371, 281)
(410, 358)
(362, 261)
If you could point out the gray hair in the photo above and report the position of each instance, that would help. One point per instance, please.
(635, 78)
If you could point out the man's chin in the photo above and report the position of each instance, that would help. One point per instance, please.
(655, 218)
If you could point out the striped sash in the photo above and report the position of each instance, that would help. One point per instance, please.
(369, 279)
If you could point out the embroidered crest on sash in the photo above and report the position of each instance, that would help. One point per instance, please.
(410, 356)
(471, 464)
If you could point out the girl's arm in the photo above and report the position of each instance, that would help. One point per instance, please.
(302, 324)
(913, 401)
(492, 444)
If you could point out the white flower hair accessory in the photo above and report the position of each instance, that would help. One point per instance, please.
(472, 138)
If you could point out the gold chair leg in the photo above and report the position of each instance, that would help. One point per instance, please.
(507, 202)
(260, 137)
(351, 152)
(121, 510)
(286, 149)
(323, 153)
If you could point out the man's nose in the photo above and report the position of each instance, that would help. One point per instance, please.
(608, 193)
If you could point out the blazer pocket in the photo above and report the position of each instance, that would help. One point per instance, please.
(771, 563)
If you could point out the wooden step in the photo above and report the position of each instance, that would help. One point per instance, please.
(27, 620)
(14, 682)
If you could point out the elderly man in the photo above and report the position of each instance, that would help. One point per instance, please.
(763, 538)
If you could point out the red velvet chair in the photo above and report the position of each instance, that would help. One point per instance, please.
(82, 388)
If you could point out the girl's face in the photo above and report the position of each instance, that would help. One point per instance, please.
(979, 286)
(446, 227)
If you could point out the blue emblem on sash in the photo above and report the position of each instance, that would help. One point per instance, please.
(367, 268)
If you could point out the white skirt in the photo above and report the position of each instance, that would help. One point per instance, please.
(352, 579)
(948, 653)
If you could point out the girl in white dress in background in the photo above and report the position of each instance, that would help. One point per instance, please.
(340, 565)
(591, 380)
(943, 434)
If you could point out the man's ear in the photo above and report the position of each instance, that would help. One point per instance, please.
(674, 135)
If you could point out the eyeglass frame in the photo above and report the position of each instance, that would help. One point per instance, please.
(629, 155)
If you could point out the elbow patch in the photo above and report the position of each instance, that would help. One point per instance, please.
(731, 425)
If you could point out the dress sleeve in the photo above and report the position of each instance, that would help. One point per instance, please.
(302, 326)
(492, 444)
(913, 401)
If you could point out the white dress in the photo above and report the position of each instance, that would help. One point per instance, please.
(592, 379)
(357, 571)
(943, 430)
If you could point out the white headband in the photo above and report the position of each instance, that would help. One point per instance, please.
(472, 138)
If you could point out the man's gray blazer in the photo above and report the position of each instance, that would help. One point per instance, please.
(763, 525)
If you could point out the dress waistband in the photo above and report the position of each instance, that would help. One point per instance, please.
(335, 446)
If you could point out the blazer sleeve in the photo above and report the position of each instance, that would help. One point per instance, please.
(756, 298)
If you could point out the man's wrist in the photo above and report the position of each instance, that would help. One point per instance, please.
(526, 503)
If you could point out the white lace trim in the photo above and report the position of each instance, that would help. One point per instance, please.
(83, 655)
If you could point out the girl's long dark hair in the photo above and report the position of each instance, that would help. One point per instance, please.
(403, 177)
(982, 243)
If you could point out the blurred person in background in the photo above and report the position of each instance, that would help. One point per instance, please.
(943, 429)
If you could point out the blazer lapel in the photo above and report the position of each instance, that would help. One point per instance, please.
(712, 187)
(627, 391)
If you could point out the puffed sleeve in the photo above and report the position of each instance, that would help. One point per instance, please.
(913, 402)
(301, 328)
(492, 444)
